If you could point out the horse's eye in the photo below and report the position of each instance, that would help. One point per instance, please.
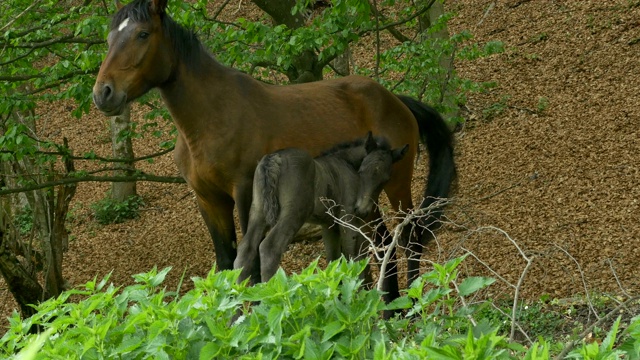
(143, 35)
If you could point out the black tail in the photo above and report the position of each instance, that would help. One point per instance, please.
(435, 134)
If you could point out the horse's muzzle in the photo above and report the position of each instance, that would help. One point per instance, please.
(108, 100)
(363, 209)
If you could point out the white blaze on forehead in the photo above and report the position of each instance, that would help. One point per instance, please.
(123, 24)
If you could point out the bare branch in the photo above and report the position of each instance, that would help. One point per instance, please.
(584, 283)
(73, 180)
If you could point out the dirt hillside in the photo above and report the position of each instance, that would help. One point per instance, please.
(550, 156)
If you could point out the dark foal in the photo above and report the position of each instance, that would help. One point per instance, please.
(290, 188)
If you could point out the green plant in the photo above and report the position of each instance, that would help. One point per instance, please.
(317, 314)
(24, 220)
(543, 104)
(495, 109)
(110, 211)
(539, 38)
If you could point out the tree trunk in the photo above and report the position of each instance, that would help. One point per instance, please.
(446, 61)
(342, 63)
(305, 67)
(23, 255)
(122, 149)
(23, 285)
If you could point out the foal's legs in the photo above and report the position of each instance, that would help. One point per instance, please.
(276, 242)
(248, 255)
(243, 194)
(217, 212)
(331, 239)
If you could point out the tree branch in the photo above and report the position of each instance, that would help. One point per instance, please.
(66, 76)
(67, 39)
(19, 15)
(74, 180)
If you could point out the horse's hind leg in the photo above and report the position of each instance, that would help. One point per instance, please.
(275, 244)
(217, 212)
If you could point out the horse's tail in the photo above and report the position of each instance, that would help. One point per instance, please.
(267, 175)
(438, 139)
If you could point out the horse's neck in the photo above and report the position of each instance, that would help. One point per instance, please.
(335, 174)
(198, 101)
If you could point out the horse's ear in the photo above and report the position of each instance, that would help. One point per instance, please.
(370, 143)
(398, 154)
(158, 6)
(119, 5)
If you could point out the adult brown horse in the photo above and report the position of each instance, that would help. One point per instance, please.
(227, 120)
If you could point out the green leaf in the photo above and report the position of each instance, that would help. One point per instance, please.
(473, 284)
(159, 278)
(210, 351)
(400, 303)
(331, 329)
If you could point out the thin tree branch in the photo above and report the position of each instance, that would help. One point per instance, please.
(67, 39)
(19, 15)
(137, 177)
(584, 283)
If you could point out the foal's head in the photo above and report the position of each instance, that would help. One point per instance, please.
(375, 171)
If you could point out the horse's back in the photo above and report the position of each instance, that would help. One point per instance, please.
(315, 116)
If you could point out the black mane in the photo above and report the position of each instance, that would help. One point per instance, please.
(185, 42)
(341, 150)
(381, 141)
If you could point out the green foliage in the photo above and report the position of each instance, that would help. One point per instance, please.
(543, 104)
(24, 220)
(50, 52)
(535, 318)
(110, 211)
(495, 109)
(317, 314)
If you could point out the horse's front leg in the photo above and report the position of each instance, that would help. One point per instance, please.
(217, 212)
(355, 247)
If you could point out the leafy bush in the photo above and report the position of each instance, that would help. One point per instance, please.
(110, 211)
(318, 314)
(24, 220)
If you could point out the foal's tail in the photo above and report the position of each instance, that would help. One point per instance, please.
(266, 186)
(435, 134)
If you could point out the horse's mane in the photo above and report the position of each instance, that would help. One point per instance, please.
(185, 42)
(381, 141)
(342, 148)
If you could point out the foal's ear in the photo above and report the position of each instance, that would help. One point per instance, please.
(398, 154)
(119, 5)
(370, 143)
(158, 6)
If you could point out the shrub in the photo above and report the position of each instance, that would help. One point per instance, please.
(317, 314)
(110, 211)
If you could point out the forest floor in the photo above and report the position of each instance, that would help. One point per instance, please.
(548, 159)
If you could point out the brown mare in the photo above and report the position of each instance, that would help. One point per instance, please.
(227, 121)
